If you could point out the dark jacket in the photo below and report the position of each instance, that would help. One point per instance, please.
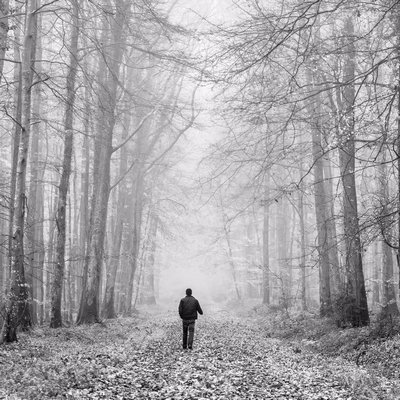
(189, 307)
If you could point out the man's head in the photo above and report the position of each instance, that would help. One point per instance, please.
(188, 292)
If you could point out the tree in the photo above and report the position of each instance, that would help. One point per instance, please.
(17, 312)
(355, 286)
(149, 296)
(56, 291)
(320, 201)
(119, 227)
(108, 77)
(266, 291)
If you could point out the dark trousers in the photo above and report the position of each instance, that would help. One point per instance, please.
(188, 326)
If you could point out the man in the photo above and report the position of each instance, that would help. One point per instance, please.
(188, 309)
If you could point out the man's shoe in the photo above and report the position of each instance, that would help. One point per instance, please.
(190, 347)
(184, 348)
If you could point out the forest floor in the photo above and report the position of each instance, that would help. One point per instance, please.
(141, 358)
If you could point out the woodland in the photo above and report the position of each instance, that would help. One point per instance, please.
(249, 149)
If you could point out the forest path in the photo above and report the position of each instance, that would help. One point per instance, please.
(232, 359)
(142, 358)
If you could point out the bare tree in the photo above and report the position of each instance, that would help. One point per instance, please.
(57, 285)
(17, 307)
(266, 290)
(355, 286)
(320, 198)
(109, 69)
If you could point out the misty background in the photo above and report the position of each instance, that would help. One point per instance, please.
(245, 149)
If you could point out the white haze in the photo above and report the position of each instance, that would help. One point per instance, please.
(190, 259)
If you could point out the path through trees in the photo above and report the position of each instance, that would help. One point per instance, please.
(141, 358)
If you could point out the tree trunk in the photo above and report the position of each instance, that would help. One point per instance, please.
(356, 302)
(17, 313)
(265, 243)
(320, 199)
(230, 256)
(303, 240)
(15, 151)
(108, 309)
(141, 152)
(41, 252)
(89, 306)
(137, 229)
(389, 304)
(376, 276)
(333, 253)
(149, 295)
(33, 222)
(56, 290)
(4, 12)
(282, 235)
(398, 140)
(84, 199)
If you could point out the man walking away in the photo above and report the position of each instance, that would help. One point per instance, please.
(188, 309)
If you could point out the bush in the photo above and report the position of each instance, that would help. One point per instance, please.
(302, 325)
(385, 326)
(345, 311)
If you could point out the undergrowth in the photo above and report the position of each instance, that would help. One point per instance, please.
(375, 346)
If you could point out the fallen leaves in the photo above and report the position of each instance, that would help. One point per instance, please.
(143, 359)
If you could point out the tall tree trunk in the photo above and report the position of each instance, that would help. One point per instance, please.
(320, 199)
(251, 270)
(230, 254)
(17, 313)
(303, 240)
(148, 295)
(41, 252)
(397, 24)
(56, 290)
(15, 150)
(74, 242)
(389, 304)
(137, 227)
(265, 243)
(84, 199)
(33, 222)
(108, 308)
(376, 276)
(331, 235)
(89, 306)
(356, 302)
(282, 236)
(50, 250)
(122, 280)
(141, 152)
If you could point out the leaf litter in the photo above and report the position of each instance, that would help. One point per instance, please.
(142, 358)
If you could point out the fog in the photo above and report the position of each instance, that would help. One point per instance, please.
(245, 149)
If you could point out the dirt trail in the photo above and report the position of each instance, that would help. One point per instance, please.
(143, 359)
(232, 360)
